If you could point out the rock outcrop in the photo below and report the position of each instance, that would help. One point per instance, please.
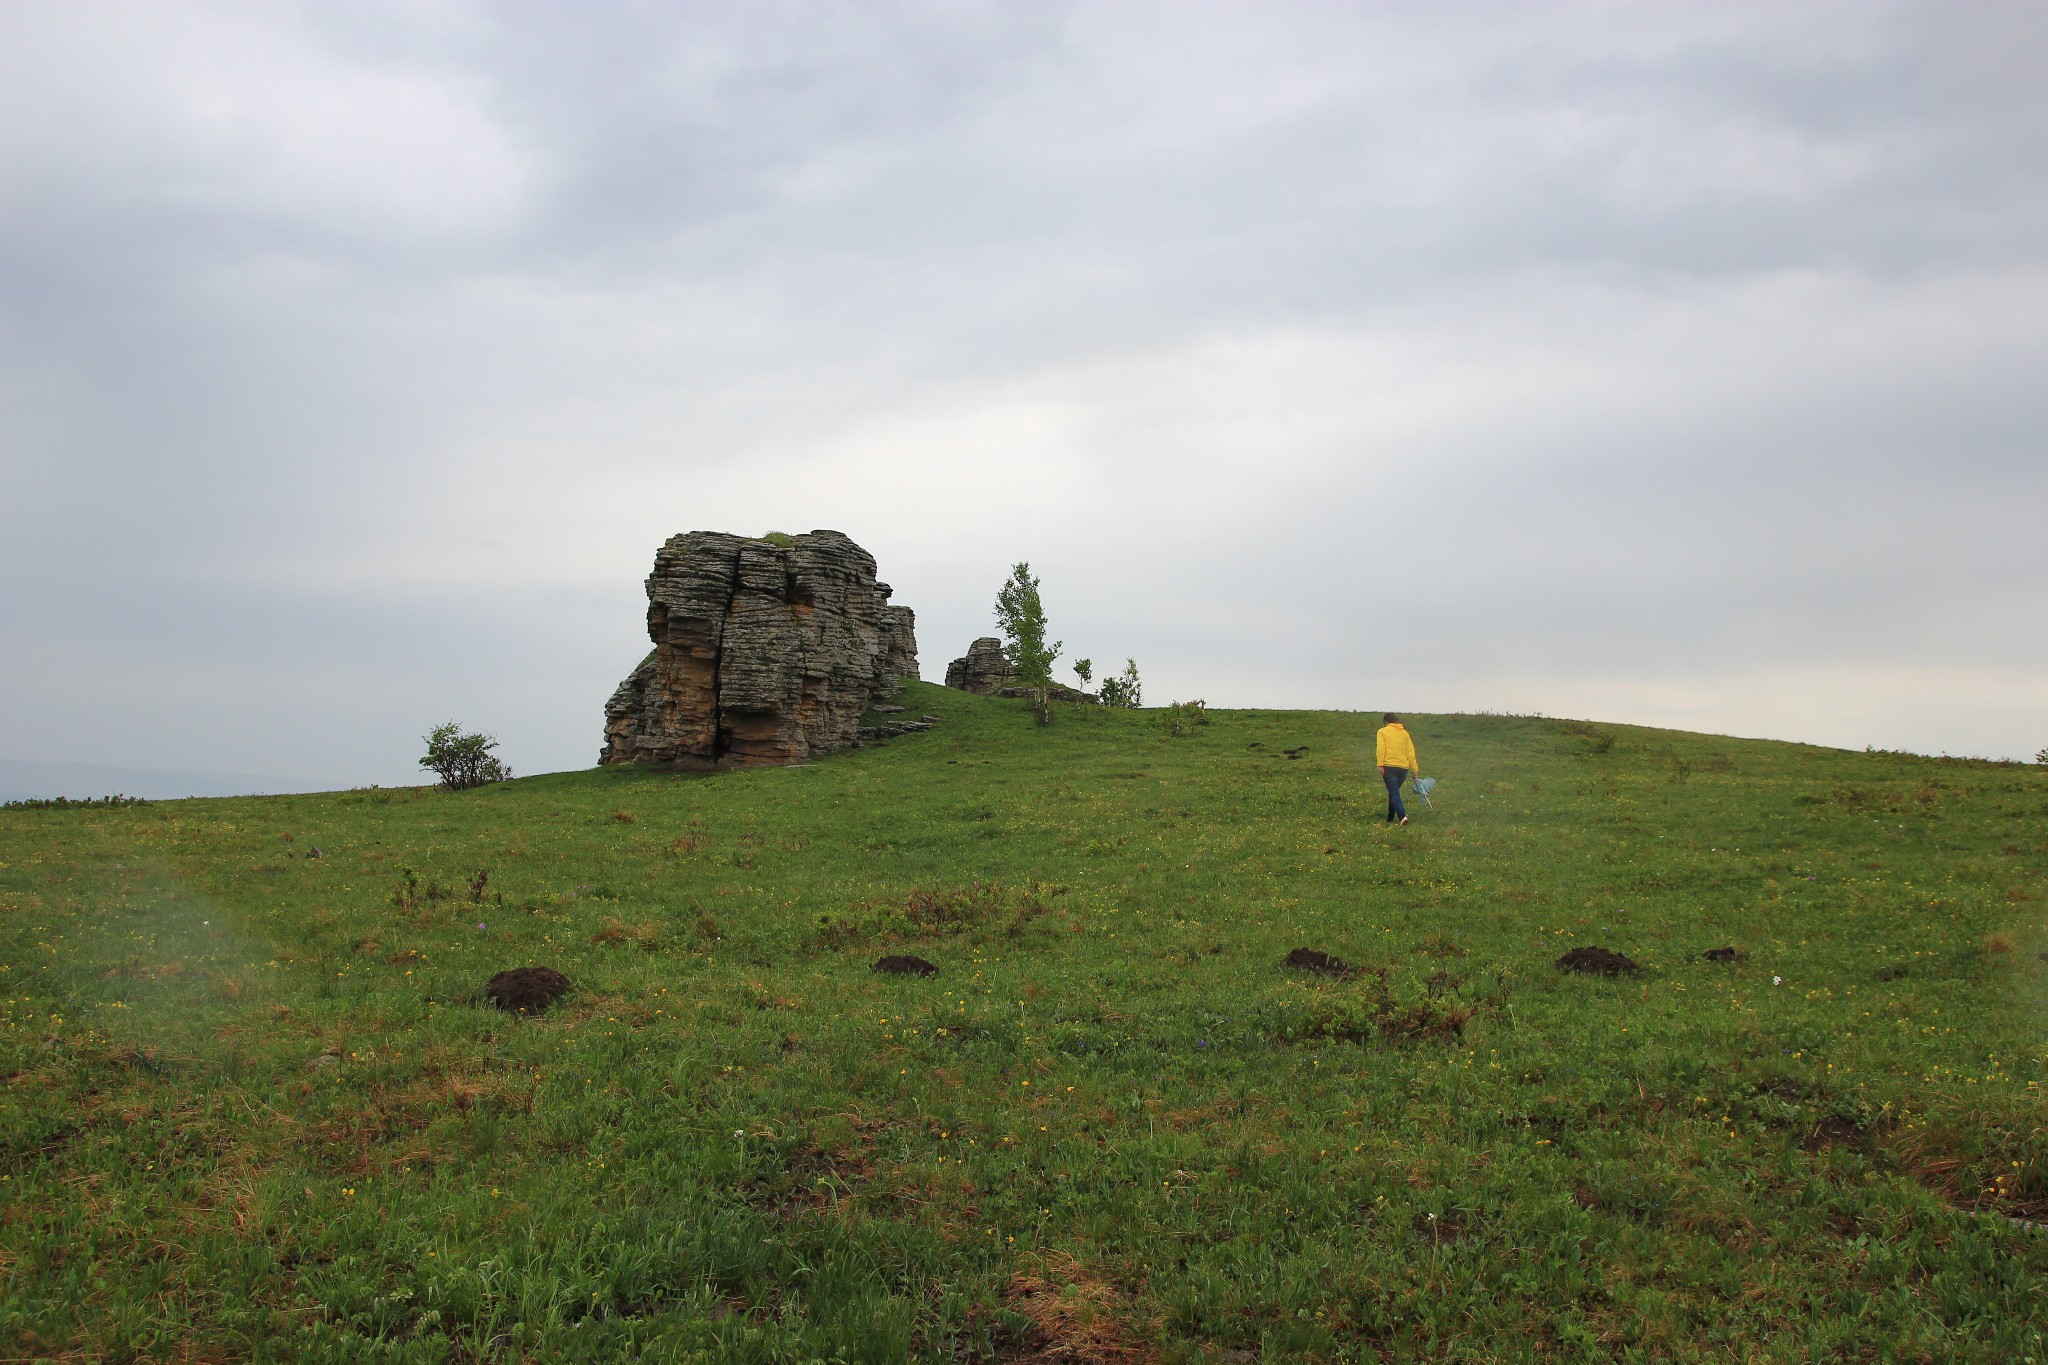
(1052, 691)
(983, 669)
(764, 652)
(899, 641)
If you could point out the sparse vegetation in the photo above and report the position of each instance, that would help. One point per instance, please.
(70, 802)
(261, 1105)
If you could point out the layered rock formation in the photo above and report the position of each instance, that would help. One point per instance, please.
(763, 652)
(982, 669)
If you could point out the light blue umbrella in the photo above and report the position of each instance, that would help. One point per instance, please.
(1423, 787)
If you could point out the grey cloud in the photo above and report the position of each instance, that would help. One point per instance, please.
(1685, 335)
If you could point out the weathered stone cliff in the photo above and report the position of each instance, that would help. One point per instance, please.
(982, 669)
(763, 652)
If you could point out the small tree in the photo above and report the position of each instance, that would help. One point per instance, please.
(1022, 618)
(1084, 669)
(462, 760)
(1124, 690)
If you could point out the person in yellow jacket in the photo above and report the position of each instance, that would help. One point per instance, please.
(1397, 764)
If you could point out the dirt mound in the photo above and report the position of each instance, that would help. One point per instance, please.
(1315, 960)
(898, 964)
(1724, 955)
(1598, 962)
(528, 990)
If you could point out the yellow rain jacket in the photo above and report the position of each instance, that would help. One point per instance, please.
(1397, 750)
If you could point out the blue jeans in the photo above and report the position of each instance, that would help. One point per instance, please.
(1394, 777)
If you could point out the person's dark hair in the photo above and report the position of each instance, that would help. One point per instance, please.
(1393, 719)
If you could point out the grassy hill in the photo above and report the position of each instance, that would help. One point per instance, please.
(255, 1109)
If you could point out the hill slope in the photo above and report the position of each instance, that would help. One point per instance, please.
(255, 1109)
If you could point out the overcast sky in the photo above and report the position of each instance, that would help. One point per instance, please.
(1672, 364)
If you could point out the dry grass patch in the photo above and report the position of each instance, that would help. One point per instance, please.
(645, 936)
(1074, 1315)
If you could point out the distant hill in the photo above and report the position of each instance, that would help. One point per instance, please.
(21, 779)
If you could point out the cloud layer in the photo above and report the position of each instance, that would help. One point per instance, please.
(1663, 363)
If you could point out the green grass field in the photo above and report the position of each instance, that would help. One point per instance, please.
(255, 1109)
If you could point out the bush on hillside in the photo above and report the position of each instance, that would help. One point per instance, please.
(1123, 690)
(462, 760)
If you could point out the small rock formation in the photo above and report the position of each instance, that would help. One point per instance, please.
(983, 669)
(764, 652)
(899, 641)
(890, 729)
(1052, 691)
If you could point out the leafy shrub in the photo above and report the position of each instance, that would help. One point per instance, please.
(1022, 618)
(462, 760)
(781, 538)
(2041, 757)
(1084, 669)
(1183, 717)
(1123, 690)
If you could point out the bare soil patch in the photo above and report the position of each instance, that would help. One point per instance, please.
(526, 990)
(1439, 1229)
(902, 964)
(1836, 1131)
